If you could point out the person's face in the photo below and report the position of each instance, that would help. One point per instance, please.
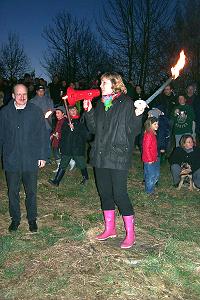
(73, 112)
(190, 90)
(1, 101)
(154, 126)
(106, 86)
(59, 114)
(72, 85)
(167, 91)
(138, 89)
(64, 83)
(189, 143)
(20, 95)
(40, 92)
(181, 100)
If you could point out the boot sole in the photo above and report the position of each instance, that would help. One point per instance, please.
(128, 247)
(104, 239)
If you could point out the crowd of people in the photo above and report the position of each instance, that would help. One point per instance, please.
(36, 127)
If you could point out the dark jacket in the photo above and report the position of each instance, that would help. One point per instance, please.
(74, 142)
(196, 108)
(23, 137)
(45, 104)
(115, 131)
(179, 156)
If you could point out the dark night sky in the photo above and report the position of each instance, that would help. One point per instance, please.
(27, 18)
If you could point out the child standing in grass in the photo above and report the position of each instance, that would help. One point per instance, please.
(150, 155)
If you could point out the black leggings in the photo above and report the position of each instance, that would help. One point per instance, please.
(112, 188)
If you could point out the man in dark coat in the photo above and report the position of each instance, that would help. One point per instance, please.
(23, 143)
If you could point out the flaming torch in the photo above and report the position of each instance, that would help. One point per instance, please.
(175, 73)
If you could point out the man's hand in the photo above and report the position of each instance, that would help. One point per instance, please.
(41, 163)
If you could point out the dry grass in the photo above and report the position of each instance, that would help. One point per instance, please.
(64, 261)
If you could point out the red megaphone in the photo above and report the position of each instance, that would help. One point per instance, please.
(76, 95)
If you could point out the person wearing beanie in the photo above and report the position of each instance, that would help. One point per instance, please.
(72, 145)
(56, 134)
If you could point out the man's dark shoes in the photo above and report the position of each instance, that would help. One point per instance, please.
(53, 182)
(13, 226)
(175, 185)
(84, 181)
(33, 226)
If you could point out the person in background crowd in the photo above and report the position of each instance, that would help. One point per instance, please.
(1, 98)
(150, 155)
(72, 146)
(7, 90)
(183, 119)
(63, 88)
(139, 94)
(162, 132)
(31, 91)
(194, 99)
(56, 137)
(114, 122)
(130, 87)
(167, 101)
(23, 143)
(27, 80)
(190, 94)
(54, 89)
(185, 153)
(45, 104)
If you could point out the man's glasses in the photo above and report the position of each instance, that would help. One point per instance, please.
(21, 95)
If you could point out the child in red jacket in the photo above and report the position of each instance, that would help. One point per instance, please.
(150, 155)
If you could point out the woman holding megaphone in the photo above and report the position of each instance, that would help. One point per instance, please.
(114, 123)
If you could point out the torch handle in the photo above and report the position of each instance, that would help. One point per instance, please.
(159, 90)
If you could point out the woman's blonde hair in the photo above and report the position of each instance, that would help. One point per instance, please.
(117, 82)
(184, 138)
(149, 122)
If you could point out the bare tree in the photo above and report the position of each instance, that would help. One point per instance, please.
(133, 31)
(62, 40)
(118, 29)
(13, 60)
(73, 51)
(191, 30)
(92, 57)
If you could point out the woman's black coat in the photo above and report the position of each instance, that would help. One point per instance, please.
(114, 131)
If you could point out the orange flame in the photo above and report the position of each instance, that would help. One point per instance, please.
(180, 64)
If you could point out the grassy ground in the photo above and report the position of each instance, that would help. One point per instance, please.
(63, 261)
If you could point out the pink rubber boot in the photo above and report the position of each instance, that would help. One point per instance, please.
(129, 240)
(110, 229)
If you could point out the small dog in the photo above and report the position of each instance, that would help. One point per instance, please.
(186, 173)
